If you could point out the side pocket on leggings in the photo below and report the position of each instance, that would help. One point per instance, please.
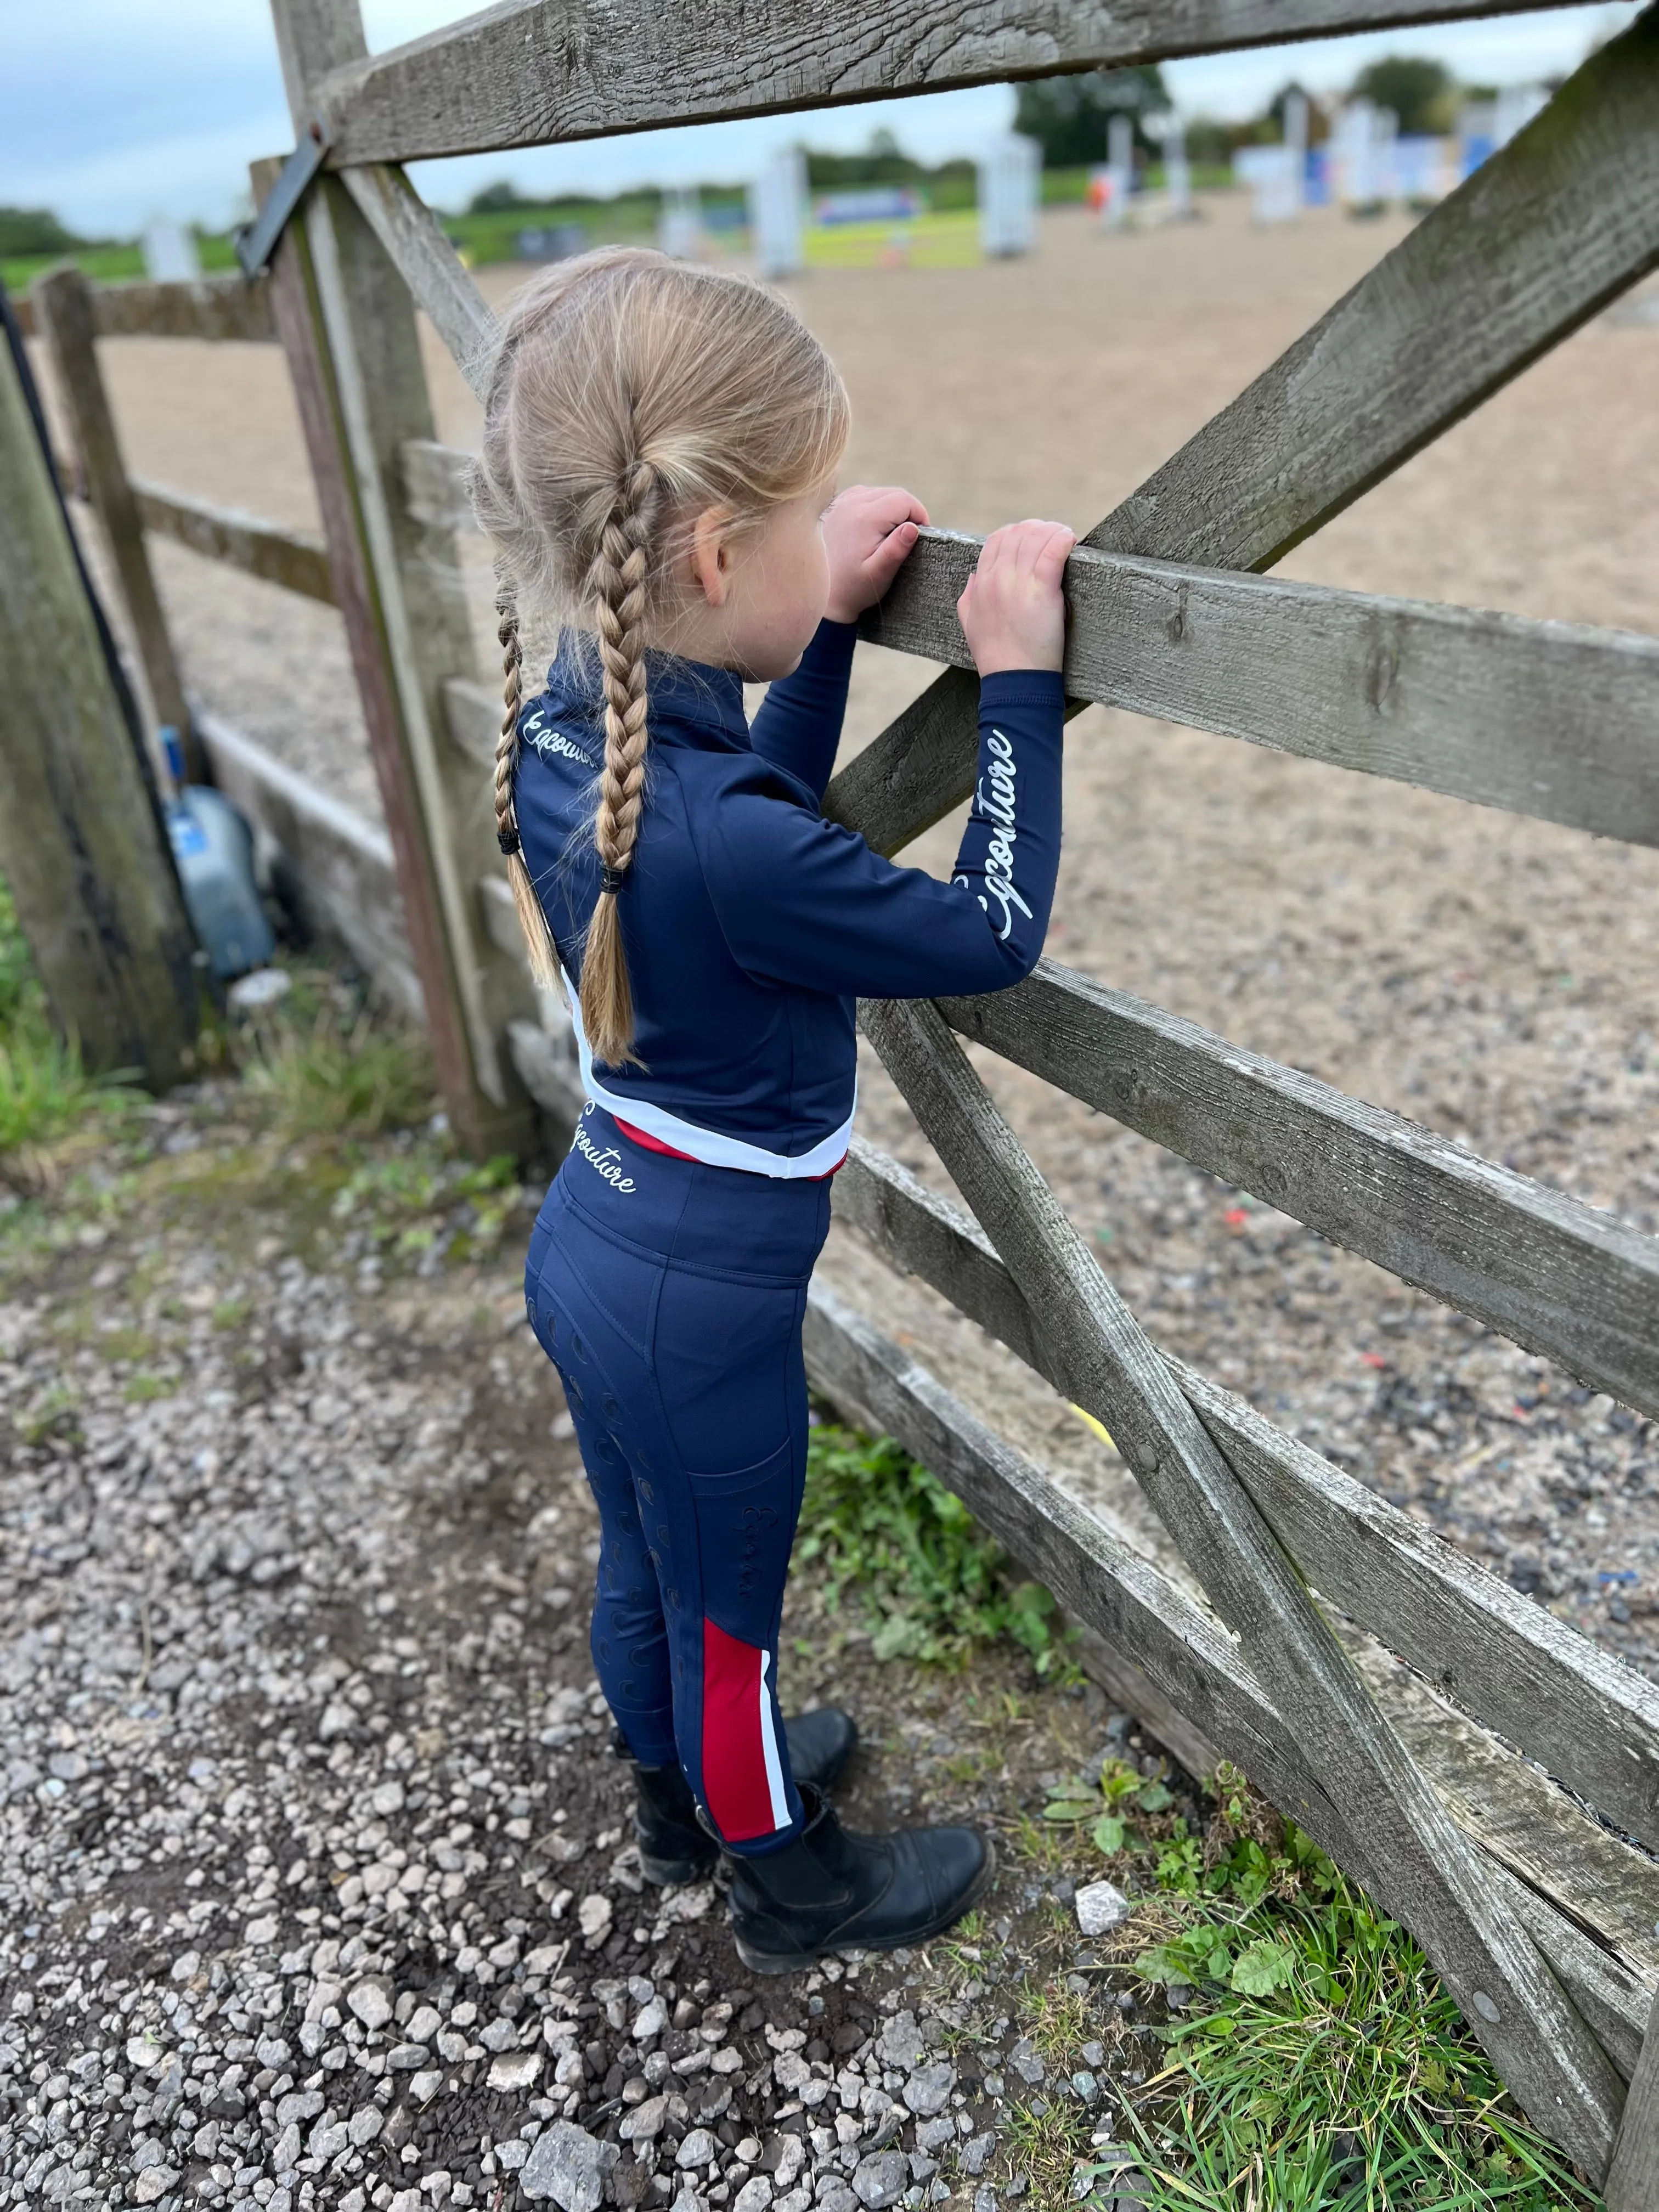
(724, 1354)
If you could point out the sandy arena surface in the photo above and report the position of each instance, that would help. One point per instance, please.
(316, 1884)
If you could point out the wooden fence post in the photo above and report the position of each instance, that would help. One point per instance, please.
(80, 844)
(349, 332)
(63, 303)
(1633, 2183)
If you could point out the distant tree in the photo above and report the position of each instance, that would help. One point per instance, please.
(1067, 115)
(1421, 93)
(883, 161)
(499, 198)
(1318, 122)
(35, 230)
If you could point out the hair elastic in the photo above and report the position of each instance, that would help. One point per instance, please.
(611, 879)
(508, 840)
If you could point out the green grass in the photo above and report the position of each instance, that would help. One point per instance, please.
(1327, 2070)
(1315, 2064)
(109, 265)
(630, 219)
(46, 1093)
(891, 1545)
(1320, 2066)
(322, 1064)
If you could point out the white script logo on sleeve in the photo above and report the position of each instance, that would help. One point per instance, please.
(996, 806)
(547, 741)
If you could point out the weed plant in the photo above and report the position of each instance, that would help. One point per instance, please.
(325, 1065)
(893, 1546)
(46, 1093)
(1314, 2063)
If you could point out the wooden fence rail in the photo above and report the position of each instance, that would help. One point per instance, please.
(540, 72)
(219, 309)
(291, 558)
(1508, 1663)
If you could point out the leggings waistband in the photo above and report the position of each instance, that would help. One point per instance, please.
(694, 1216)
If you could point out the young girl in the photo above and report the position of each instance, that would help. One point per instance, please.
(661, 443)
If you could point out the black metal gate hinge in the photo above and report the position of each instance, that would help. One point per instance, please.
(256, 241)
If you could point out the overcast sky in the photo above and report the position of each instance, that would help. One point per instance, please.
(111, 113)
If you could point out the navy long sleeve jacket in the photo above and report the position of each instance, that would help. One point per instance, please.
(751, 924)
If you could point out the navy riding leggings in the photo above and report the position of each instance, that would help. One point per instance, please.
(670, 1296)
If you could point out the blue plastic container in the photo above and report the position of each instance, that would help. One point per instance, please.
(213, 848)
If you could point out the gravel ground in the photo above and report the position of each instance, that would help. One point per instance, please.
(316, 1871)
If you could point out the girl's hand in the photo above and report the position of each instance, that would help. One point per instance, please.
(867, 532)
(1011, 612)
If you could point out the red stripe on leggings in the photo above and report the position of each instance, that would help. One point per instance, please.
(733, 1756)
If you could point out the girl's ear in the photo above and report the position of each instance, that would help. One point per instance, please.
(711, 554)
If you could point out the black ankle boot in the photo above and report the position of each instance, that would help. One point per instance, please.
(831, 1890)
(673, 1846)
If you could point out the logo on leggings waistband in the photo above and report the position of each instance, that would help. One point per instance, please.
(606, 1162)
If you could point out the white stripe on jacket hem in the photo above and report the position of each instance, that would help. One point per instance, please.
(710, 1146)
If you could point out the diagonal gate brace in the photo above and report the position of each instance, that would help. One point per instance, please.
(1411, 1854)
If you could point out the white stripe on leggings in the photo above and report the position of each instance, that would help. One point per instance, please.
(770, 1748)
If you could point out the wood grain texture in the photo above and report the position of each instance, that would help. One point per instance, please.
(1548, 1271)
(472, 715)
(1413, 1858)
(298, 305)
(293, 558)
(81, 844)
(538, 72)
(1553, 719)
(63, 303)
(1559, 222)
(336, 871)
(1633, 2183)
(375, 358)
(215, 308)
(1511, 1665)
(414, 240)
(1137, 1606)
(434, 484)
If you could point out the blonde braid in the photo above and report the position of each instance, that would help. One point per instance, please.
(618, 582)
(539, 940)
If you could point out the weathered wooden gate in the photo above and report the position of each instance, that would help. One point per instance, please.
(1412, 1713)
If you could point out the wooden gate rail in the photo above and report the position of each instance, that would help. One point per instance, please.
(541, 72)
(1545, 1270)
(1489, 708)
(1591, 1719)
(1536, 242)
